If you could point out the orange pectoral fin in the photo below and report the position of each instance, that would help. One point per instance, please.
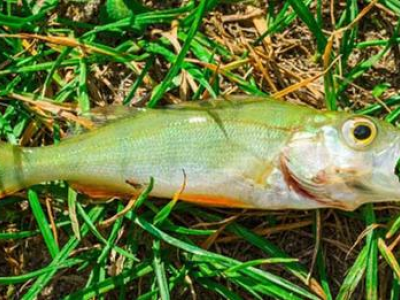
(215, 200)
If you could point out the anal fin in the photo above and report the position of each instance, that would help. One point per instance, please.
(215, 201)
(101, 192)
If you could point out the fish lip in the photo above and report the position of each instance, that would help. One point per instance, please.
(295, 184)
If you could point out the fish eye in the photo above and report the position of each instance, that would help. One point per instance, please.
(362, 132)
(359, 132)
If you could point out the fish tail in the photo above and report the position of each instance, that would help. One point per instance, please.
(11, 169)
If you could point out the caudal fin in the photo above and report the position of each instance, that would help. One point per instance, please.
(11, 169)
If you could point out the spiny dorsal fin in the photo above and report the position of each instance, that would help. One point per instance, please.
(221, 102)
(101, 116)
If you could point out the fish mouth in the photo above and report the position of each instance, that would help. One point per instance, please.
(382, 186)
(393, 183)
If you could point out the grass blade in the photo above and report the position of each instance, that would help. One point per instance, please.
(159, 90)
(42, 223)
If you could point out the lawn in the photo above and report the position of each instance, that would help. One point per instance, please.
(60, 59)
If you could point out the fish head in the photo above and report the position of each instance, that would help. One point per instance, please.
(343, 160)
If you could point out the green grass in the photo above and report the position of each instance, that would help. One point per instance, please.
(53, 67)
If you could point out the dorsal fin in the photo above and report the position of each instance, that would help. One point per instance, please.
(100, 116)
(103, 115)
(221, 102)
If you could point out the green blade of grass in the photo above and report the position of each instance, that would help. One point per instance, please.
(393, 5)
(395, 290)
(372, 257)
(362, 67)
(393, 116)
(159, 90)
(37, 67)
(395, 226)
(278, 283)
(72, 198)
(283, 19)
(320, 263)
(245, 277)
(354, 276)
(267, 247)
(377, 107)
(348, 40)
(306, 16)
(218, 288)
(144, 195)
(86, 218)
(31, 275)
(138, 81)
(83, 97)
(257, 262)
(159, 269)
(112, 283)
(43, 223)
(374, 43)
(25, 234)
(112, 237)
(388, 255)
(99, 272)
(61, 257)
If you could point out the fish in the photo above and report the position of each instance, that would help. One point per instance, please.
(238, 152)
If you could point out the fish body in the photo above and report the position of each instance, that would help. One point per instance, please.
(249, 153)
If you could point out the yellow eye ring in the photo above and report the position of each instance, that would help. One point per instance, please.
(359, 132)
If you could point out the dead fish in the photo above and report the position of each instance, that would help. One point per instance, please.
(242, 152)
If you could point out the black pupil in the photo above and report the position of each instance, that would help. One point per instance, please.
(362, 132)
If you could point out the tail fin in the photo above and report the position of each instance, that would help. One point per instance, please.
(11, 171)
